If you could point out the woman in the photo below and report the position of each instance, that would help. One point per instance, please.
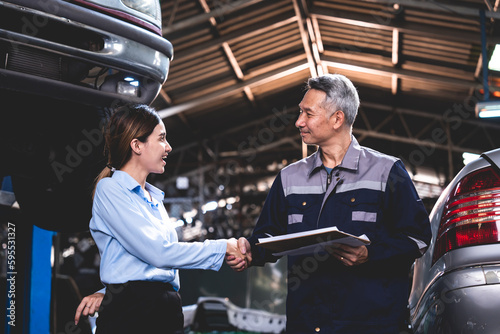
(139, 249)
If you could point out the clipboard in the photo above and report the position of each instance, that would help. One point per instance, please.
(310, 241)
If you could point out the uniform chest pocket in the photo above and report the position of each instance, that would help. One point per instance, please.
(362, 208)
(302, 211)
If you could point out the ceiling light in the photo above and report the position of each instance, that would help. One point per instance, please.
(210, 206)
(182, 182)
(494, 63)
(488, 109)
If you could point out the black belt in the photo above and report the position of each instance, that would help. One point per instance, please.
(139, 284)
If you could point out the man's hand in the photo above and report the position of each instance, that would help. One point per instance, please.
(88, 306)
(244, 249)
(351, 256)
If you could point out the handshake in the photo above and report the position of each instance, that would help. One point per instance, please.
(238, 254)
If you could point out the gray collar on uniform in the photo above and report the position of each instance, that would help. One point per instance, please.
(350, 161)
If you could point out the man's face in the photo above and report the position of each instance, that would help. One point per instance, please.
(313, 124)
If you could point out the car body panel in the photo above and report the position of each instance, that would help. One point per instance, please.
(465, 310)
(102, 45)
(448, 296)
(117, 7)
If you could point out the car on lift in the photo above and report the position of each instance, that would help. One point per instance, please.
(456, 284)
(64, 65)
(93, 51)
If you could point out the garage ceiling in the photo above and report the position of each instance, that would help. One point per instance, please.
(230, 100)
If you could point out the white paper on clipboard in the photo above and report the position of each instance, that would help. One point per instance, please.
(310, 241)
(353, 242)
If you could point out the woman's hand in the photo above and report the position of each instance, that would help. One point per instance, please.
(88, 306)
(238, 254)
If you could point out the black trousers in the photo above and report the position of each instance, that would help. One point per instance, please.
(138, 307)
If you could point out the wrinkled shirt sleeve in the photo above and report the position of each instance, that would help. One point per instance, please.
(147, 237)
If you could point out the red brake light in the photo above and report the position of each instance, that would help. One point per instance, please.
(471, 215)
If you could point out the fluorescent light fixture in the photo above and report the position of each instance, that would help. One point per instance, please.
(182, 182)
(468, 157)
(178, 223)
(210, 206)
(494, 63)
(488, 109)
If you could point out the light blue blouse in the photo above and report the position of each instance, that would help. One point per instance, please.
(136, 239)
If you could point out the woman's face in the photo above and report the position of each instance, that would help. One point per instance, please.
(155, 150)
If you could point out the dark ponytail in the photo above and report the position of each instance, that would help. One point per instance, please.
(127, 123)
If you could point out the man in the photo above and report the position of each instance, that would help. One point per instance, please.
(356, 290)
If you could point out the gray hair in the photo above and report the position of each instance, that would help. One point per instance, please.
(340, 95)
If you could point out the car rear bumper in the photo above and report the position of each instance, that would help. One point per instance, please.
(463, 301)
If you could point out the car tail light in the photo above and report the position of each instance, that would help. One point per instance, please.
(471, 214)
